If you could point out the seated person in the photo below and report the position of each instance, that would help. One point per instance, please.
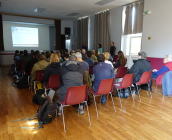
(82, 63)
(93, 57)
(47, 55)
(83, 54)
(139, 67)
(102, 71)
(107, 56)
(40, 65)
(53, 68)
(97, 53)
(66, 58)
(31, 63)
(167, 67)
(31, 54)
(121, 61)
(16, 57)
(72, 52)
(89, 60)
(71, 75)
(25, 57)
(59, 55)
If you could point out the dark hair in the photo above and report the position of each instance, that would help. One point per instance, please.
(35, 54)
(25, 53)
(51, 51)
(96, 53)
(16, 51)
(43, 53)
(47, 54)
(100, 46)
(21, 52)
(89, 54)
(122, 58)
(61, 51)
(66, 55)
(66, 50)
(101, 58)
(32, 51)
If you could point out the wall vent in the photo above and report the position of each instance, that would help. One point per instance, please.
(103, 2)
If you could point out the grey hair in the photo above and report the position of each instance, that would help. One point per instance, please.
(142, 54)
(78, 55)
(168, 57)
(72, 60)
(78, 50)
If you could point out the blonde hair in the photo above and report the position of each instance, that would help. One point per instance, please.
(41, 57)
(107, 55)
(93, 52)
(54, 58)
(58, 54)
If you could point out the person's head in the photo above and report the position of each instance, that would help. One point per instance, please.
(66, 50)
(84, 43)
(72, 60)
(89, 54)
(21, 53)
(58, 54)
(16, 52)
(79, 56)
(96, 53)
(112, 43)
(99, 45)
(43, 53)
(54, 58)
(32, 51)
(41, 57)
(47, 54)
(61, 51)
(78, 50)
(25, 53)
(73, 51)
(66, 56)
(107, 55)
(37, 52)
(93, 52)
(101, 58)
(122, 58)
(35, 55)
(167, 58)
(142, 55)
(83, 51)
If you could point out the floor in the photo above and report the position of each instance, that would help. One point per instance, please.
(150, 119)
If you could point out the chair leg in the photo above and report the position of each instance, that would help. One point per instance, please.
(138, 92)
(34, 87)
(78, 109)
(88, 112)
(45, 92)
(112, 101)
(119, 98)
(132, 95)
(107, 96)
(156, 88)
(149, 90)
(95, 106)
(63, 119)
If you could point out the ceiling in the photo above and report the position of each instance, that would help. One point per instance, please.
(58, 9)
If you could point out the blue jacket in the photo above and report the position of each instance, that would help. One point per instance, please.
(167, 83)
(90, 61)
(102, 71)
(161, 71)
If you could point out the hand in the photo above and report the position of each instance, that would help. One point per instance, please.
(155, 70)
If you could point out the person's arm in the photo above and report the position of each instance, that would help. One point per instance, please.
(117, 64)
(161, 71)
(46, 75)
(112, 73)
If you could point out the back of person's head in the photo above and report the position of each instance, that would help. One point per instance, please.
(142, 54)
(54, 58)
(58, 53)
(47, 54)
(61, 51)
(122, 58)
(101, 58)
(89, 54)
(32, 51)
(35, 55)
(78, 50)
(16, 52)
(51, 51)
(25, 53)
(72, 60)
(21, 52)
(41, 57)
(169, 58)
(66, 56)
(37, 52)
(96, 53)
(66, 50)
(93, 52)
(78, 55)
(99, 45)
(107, 55)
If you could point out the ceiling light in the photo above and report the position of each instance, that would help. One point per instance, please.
(103, 2)
(39, 10)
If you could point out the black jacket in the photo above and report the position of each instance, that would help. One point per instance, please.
(71, 75)
(30, 64)
(117, 64)
(53, 68)
(112, 50)
(138, 68)
(84, 56)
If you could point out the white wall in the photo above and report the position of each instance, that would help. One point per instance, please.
(116, 27)
(158, 26)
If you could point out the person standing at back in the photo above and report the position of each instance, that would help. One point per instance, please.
(112, 49)
(100, 48)
(84, 46)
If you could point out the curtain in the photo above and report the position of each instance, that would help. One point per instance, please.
(138, 19)
(102, 31)
(82, 35)
(1, 34)
(128, 20)
(58, 34)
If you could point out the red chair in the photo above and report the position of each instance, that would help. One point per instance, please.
(127, 81)
(75, 95)
(53, 82)
(105, 87)
(145, 79)
(90, 70)
(39, 78)
(121, 72)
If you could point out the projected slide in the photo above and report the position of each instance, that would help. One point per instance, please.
(24, 36)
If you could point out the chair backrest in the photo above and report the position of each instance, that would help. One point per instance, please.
(122, 71)
(39, 75)
(127, 81)
(18, 63)
(90, 70)
(76, 95)
(145, 78)
(54, 81)
(105, 86)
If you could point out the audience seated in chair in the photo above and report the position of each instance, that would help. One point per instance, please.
(53, 68)
(16, 57)
(83, 54)
(107, 56)
(121, 61)
(89, 60)
(71, 75)
(96, 53)
(31, 54)
(102, 71)
(82, 63)
(40, 65)
(66, 58)
(139, 67)
(47, 55)
(93, 57)
(31, 63)
(59, 55)
(25, 57)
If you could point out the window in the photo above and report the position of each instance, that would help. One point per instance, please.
(135, 45)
